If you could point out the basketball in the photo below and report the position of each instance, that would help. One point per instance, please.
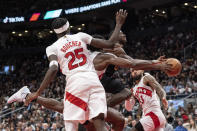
(176, 67)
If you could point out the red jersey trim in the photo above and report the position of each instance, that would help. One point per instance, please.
(76, 101)
(144, 91)
(154, 118)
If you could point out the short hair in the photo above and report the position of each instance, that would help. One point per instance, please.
(58, 22)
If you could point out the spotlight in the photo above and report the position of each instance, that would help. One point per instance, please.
(157, 10)
(51, 31)
(163, 12)
(71, 26)
(26, 31)
(79, 28)
(186, 4)
(13, 32)
(20, 34)
(195, 6)
(83, 24)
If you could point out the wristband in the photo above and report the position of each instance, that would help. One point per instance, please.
(53, 62)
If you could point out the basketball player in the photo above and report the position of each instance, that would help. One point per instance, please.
(101, 61)
(146, 91)
(114, 86)
(83, 92)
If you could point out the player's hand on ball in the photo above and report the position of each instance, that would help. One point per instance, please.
(121, 16)
(31, 97)
(165, 66)
(165, 103)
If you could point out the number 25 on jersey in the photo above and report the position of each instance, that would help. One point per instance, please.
(77, 55)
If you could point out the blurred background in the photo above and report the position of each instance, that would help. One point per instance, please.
(153, 28)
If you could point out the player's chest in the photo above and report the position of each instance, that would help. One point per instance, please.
(141, 91)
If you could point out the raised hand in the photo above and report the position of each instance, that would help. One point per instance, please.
(121, 16)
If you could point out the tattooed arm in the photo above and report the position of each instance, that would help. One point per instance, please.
(150, 80)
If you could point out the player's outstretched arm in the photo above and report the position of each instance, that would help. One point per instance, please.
(51, 104)
(120, 19)
(103, 60)
(150, 80)
(49, 76)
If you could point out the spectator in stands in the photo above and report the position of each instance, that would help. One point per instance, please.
(180, 126)
(168, 87)
(193, 126)
(168, 127)
(171, 108)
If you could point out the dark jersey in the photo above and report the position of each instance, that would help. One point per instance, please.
(110, 83)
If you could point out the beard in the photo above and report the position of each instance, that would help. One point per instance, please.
(136, 78)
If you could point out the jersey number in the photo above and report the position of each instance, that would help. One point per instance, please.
(74, 56)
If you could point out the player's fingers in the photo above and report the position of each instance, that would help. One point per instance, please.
(125, 12)
(121, 11)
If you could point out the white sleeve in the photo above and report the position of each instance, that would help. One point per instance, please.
(51, 50)
(129, 104)
(85, 37)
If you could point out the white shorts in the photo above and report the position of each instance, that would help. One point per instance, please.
(153, 121)
(84, 97)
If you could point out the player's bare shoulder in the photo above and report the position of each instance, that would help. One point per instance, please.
(148, 78)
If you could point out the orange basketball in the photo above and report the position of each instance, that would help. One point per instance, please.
(176, 67)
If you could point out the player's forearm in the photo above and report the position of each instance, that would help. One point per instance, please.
(114, 37)
(51, 73)
(136, 63)
(51, 104)
(161, 93)
(142, 64)
(149, 67)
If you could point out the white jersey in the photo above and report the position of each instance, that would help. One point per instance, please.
(146, 96)
(152, 119)
(72, 53)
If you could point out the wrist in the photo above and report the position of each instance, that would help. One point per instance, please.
(118, 25)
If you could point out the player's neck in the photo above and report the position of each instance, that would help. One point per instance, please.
(137, 82)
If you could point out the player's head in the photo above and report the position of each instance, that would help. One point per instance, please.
(122, 39)
(137, 74)
(60, 26)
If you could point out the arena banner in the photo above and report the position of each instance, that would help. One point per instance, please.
(93, 6)
(52, 14)
(14, 19)
(36, 16)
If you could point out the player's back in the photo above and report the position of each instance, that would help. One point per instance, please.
(146, 96)
(72, 53)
